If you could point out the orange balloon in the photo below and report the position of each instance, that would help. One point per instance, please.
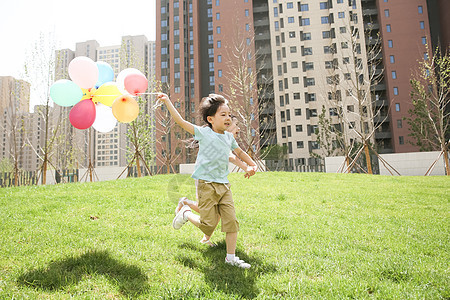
(125, 109)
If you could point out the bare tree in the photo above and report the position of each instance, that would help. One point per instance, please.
(15, 124)
(354, 73)
(248, 91)
(430, 116)
(169, 136)
(40, 72)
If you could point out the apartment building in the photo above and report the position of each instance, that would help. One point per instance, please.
(312, 54)
(17, 124)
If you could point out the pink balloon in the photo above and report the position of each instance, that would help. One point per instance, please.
(83, 71)
(82, 115)
(135, 83)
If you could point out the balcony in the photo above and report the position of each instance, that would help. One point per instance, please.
(261, 22)
(370, 11)
(380, 119)
(261, 9)
(371, 26)
(264, 51)
(262, 36)
(380, 102)
(382, 135)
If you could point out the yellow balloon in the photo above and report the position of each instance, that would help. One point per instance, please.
(107, 93)
(125, 109)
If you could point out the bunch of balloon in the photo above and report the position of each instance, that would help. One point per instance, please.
(97, 100)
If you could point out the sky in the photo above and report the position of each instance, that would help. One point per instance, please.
(22, 21)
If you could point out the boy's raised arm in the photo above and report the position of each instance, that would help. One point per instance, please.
(175, 115)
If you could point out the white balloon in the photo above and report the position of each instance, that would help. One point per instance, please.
(104, 118)
(120, 80)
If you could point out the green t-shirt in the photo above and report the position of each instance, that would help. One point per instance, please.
(214, 151)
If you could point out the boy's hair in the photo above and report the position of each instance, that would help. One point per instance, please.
(209, 106)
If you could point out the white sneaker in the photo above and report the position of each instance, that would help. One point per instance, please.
(238, 263)
(180, 219)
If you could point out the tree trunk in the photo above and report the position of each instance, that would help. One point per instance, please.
(16, 174)
(447, 167)
(138, 166)
(44, 170)
(368, 162)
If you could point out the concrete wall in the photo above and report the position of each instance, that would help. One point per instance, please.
(334, 163)
(407, 164)
(99, 174)
(413, 163)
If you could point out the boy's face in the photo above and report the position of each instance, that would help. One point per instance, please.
(221, 121)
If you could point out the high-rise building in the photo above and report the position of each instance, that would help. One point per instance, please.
(107, 149)
(318, 59)
(405, 33)
(197, 45)
(17, 125)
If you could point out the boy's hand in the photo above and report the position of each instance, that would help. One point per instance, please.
(251, 170)
(163, 97)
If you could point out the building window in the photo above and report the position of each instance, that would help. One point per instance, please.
(422, 25)
(298, 111)
(290, 5)
(292, 34)
(396, 91)
(307, 51)
(394, 74)
(341, 15)
(304, 7)
(219, 73)
(424, 40)
(324, 20)
(392, 59)
(397, 106)
(401, 140)
(299, 128)
(219, 44)
(305, 22)
(295, 80)
(306, 36)
(291, 20)
(386, 12)
(323, 5)
(217, 16)
(420, 8)
(300, 144)
(275, 11)
(399, 123)
(277, 25)
(309, 81)
(388, 28)
(246, 13)
(218, 30)
(390, 44)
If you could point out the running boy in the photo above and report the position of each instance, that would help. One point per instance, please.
(211, 170)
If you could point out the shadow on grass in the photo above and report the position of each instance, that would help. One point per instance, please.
(220, 276)
(71, 270)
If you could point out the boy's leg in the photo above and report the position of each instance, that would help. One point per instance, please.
(231, 240)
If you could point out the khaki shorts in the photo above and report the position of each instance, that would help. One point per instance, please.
(215, 200)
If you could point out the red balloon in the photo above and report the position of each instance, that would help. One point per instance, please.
(135, 83)
(82, 115)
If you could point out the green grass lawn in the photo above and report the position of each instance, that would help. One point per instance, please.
(307, 236)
